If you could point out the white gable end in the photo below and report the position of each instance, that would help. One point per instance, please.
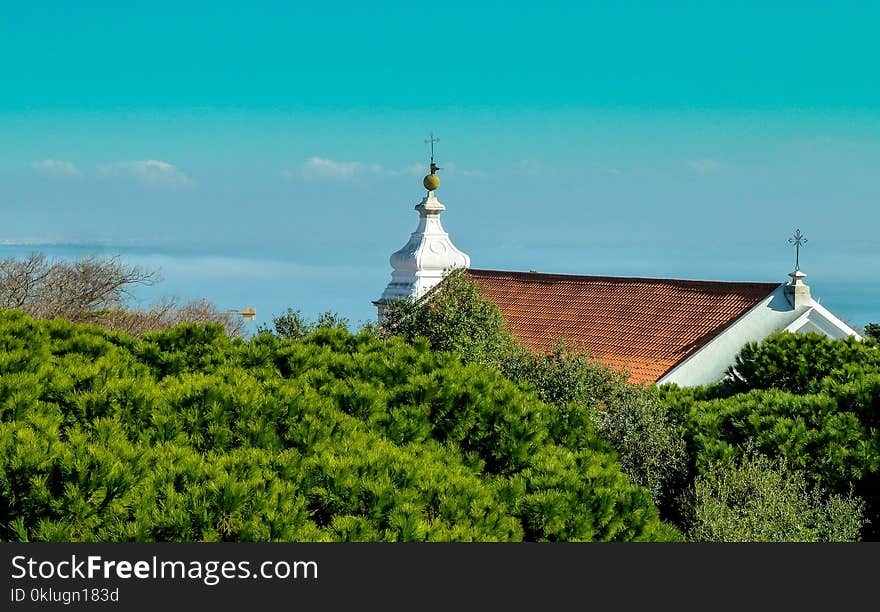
(818, 319)
(773, 314)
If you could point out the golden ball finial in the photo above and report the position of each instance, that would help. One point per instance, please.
(431, 182)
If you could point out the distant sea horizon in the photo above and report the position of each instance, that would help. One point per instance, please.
(270, 282)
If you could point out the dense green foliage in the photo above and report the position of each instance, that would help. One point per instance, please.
(872, 330)
(803, 363)
(631, 417)
(808, 400)
(756, 500)
(455, 317)
(437, 426)
(292, 325)
(188, 435)
(808, 404)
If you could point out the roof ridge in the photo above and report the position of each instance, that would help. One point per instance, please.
(569, 276)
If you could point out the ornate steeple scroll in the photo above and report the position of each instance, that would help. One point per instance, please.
(429, 254)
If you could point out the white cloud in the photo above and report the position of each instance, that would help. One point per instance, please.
(421, 169)
(604, 169)
(472, 173)
(56, 167)
(533, 167)
(411, 170)
(149, 172)
(356, 172)
(705, 166)
(321, 168)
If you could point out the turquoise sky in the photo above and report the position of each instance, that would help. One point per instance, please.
(634, 138)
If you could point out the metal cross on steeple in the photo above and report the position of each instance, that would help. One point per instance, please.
(798, 240)
(432, 140)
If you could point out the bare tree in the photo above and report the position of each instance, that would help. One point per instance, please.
(167, 313)
(98, 290)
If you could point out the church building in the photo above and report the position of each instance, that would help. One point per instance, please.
(660, 330)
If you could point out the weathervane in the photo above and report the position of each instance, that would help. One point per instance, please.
(432, 181)
(432, 140)
(798, 240)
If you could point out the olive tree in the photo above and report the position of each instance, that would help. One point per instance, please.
(757, 499)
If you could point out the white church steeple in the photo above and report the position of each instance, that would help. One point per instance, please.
(429, 254)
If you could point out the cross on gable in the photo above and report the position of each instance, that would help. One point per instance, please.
(798, 240)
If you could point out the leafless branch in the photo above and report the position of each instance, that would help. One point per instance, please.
(98, 290)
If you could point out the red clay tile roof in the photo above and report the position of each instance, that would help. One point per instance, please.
(644, 325)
